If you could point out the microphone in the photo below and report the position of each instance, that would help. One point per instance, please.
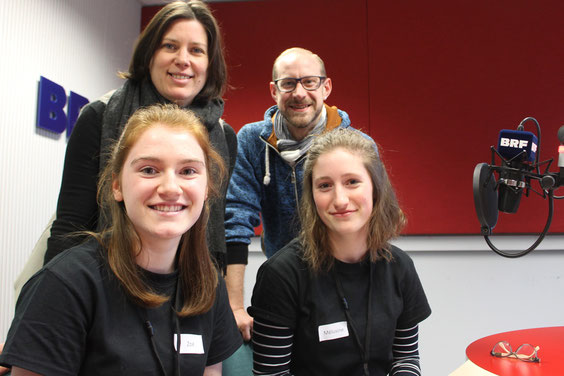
(517, 149)
(518, 144)
(519, 153)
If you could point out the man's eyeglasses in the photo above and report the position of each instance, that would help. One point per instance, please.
(525, 352)
(286, 85)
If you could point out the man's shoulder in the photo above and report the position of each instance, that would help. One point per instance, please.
(254, 128)
(249, 138)
(252, 132)
(266, 120)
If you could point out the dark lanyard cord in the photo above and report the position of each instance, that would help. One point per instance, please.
(177, 323)
(364, 352)
(151, 333)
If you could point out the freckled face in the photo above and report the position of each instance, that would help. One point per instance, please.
(342, 191)
(179, 66)
(163, 184)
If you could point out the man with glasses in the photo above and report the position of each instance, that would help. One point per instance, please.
(267, 178)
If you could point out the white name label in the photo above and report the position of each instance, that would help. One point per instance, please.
(190, 344)
(333, 331)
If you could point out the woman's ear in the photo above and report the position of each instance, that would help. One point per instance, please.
(116, 189)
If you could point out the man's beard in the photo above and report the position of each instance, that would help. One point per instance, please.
(301, 121)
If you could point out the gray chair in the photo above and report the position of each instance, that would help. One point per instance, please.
(240, 363)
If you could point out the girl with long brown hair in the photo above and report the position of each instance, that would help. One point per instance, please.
(143, 296)
(340, 299)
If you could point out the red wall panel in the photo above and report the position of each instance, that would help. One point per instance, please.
(446, 77)
(432, 82)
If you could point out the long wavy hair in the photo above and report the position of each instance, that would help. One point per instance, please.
(387, 219)
(151, 38)
(197, 274)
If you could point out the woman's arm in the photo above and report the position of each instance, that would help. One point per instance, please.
(405, 351)
(3, 370)
(272, 348)
(77, 208)
(213, 370)
(16, 371)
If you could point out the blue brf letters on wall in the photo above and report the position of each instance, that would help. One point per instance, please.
(51, 107)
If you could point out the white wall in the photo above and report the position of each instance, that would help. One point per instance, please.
(473, 292)
(79, 44)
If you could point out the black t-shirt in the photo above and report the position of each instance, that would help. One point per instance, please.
(288, 293)
(73, 318)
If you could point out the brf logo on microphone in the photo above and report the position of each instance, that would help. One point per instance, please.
(515, 143)
(512, 143)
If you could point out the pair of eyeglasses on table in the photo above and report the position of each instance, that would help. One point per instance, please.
(525, 352)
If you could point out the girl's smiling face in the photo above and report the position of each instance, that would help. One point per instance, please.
(342, 191)
(163, 184)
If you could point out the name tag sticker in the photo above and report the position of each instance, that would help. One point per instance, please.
(333, 331)
(190, 344)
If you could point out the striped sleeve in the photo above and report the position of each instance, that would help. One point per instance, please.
(272, 348)
(405, 351)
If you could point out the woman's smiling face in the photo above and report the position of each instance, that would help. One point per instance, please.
(163, 183)
(179, 66)
(342, 191)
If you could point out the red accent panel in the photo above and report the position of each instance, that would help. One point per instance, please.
(433, 84)
(445, 79)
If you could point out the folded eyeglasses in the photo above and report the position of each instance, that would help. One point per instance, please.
(525, 352)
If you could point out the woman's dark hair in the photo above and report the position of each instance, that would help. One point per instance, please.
(197, 273)
(386, 220)
(151, 38)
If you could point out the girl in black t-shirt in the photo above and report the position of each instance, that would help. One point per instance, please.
(143, 296)
(340, 299)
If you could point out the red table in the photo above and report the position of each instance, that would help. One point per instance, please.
(551, 352)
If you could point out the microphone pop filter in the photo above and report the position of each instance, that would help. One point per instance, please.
(485, 197)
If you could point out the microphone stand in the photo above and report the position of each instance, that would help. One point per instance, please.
(536, 243)
(548, 181)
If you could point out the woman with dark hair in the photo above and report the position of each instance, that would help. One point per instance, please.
(143, 296)
(178, 59)
(340, 299)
